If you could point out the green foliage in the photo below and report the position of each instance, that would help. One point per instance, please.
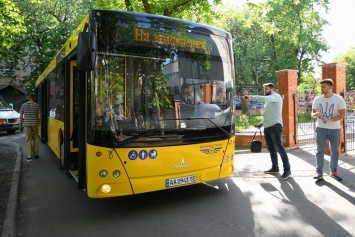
(276, 35)
(158, 96)
(305, 117)
(48, 24)
(11, 24)
(246, 122)
(308, 81)
(194, 10)
(349, 59)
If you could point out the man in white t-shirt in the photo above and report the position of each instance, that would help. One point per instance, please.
(329, 109)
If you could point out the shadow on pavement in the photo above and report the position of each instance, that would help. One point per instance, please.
(347, 173)
(311, 213)
(337, 190)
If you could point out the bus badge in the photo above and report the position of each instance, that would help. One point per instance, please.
(182, 164)
(211, 150)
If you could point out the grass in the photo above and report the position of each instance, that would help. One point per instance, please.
(244, 122)
(305, 117)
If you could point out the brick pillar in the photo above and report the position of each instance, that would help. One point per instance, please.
(287, 88)
(207, 93)
(336, 72)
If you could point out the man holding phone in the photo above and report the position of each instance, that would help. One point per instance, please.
(273, 127)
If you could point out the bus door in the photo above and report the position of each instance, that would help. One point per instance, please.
(72, 121)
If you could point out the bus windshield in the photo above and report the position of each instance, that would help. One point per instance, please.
(166, 84)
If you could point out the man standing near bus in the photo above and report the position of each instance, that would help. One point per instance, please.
(329, 109)
(30, 117)
(273, 127)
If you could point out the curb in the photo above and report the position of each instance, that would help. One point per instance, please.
(9, 227)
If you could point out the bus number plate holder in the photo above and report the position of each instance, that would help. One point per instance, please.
(180, 181)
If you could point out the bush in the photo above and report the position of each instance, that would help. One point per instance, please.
(245, 122)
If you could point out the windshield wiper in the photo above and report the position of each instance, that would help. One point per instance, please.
(131, 139)
(209, 119)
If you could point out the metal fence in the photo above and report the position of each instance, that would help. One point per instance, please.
(305, 123)
(349, 121)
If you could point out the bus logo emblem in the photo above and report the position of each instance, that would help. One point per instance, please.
(182, 164)
(211, 150)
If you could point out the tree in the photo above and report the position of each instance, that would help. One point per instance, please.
(11, 24)
(48, 24)
(298, 26)
(276, 35)
(349, 59)
(194, 10)
(251, 47)
(310, 82)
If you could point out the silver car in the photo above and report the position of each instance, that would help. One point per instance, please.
(9, 118)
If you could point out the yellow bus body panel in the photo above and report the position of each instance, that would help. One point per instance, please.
(206, 162)
(55, 128)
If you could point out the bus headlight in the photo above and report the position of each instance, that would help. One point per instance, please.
(103, 173)
(116, 173)
(106, 188)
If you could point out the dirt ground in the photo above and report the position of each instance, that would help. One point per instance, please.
(7, 163)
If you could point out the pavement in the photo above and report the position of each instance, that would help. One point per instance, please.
(10, 169)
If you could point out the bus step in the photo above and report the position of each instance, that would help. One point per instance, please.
(75, 174)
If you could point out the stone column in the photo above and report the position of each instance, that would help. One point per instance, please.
(287, 88)
(337, 72)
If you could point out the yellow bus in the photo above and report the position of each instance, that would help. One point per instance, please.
(135, 103)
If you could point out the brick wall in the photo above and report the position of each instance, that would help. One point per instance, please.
(287, 88)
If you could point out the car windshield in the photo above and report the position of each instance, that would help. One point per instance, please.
(4, 105)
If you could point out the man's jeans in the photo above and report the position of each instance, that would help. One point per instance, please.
(273, 139)
(322, 135)
(32, 140)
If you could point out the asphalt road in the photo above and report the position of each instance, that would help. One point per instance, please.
(7, 164)
(249, 203)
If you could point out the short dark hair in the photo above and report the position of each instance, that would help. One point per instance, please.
(271, 85)
(327, 81)
(32, 96)
(184, 86)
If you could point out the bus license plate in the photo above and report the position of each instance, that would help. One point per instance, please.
(180, 181)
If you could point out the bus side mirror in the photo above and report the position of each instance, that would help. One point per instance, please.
(86, 56)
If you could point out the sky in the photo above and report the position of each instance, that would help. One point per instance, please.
(339, 34)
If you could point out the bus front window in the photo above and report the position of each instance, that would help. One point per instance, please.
(134, 96)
